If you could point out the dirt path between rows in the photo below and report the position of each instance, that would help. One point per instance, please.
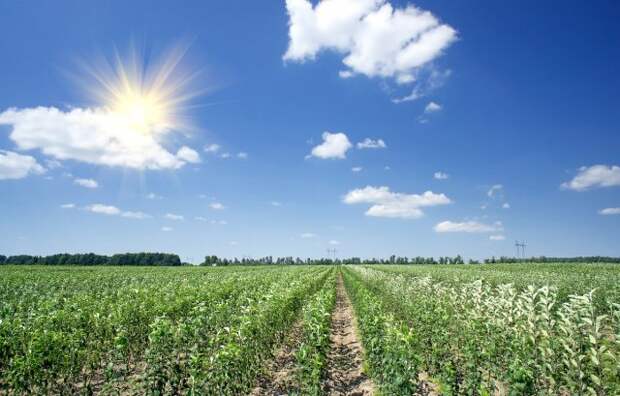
(279, 377)
(344, 361)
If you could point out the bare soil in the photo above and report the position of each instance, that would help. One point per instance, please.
(279, 375)
(344, 361)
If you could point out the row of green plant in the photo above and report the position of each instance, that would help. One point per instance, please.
(477, 338)
(311, 355)
(146, 330)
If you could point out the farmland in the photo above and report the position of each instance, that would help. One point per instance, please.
(389, 329)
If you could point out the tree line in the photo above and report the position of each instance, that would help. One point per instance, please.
(91, 259)
(165, 259)
(269, 260)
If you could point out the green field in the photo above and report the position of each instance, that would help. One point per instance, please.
(471, 330)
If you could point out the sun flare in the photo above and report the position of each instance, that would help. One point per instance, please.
(142, 95)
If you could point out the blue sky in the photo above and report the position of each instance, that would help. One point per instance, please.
(486, 123)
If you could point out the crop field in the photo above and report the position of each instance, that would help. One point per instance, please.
(517, 329)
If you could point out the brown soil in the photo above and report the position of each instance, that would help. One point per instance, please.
(344, 361)
(279, 376)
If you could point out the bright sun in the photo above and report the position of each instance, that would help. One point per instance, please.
(143, 96)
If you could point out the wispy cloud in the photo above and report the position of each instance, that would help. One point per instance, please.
(86, 183)
(468, 227)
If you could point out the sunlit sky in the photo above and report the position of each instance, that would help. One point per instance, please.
(372, 127)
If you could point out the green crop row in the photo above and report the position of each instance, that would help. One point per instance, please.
(146, 330)
(311, 354)
(477, 339)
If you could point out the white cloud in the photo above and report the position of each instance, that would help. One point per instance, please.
(92, 135)
(104, 209)
(441, 175)
(432, 107)
(212, 148)
(86, 183)
(468, 226)
(216, 206)
(594, 176)
(335, 145)
(609, 211)
(174, 217)
(135, 215)
(110, 210)
(369, 143)
(167, 229)
(497, 237)
(17, 166)
(242, 155)
(188, 155)
(68, 206)
(494, 190)
(375, 39)
(225, 155)
(308, 235)
(356, 169)
(334, 242)
(395, 205)
(506, 205)
(153, 196)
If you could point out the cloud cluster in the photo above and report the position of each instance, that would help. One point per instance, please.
(17, 166)
(593, 177)
(334, 146)
(385, 203)
(376, 39)
(92, 135)
(468, 227)
(109, 210)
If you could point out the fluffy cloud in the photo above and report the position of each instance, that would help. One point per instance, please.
(375, 39)
(86, 183)
(506, 205)
(356, 169)
(497, 237)
(175, 217)
(369, 143)
(335, 145)
(440, 175)
(468, 226)
(17, 166)
(609, 211)
(432, 107)
(188, 155)
(594, 176)
(386, 203)
(216, 206)
(92, 135)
